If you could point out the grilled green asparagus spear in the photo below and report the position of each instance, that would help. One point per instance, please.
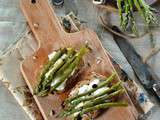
(102, 99)
(93, 108)
(119, 4)
(47, 67)
(67, 72)
(113, 88)
(132, 19)
(148, 14)
(61, 70)
(102, 84)
(52, 66)
(137, 5)
(99, 100)
(127, 15)
(57, 65)
(103, 106)
(57, 55)
(70, 53)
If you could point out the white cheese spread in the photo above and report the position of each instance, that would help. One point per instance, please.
(51, 56)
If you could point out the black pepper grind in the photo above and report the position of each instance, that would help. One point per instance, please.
(57, 2)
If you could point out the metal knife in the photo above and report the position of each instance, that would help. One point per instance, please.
(142, 70)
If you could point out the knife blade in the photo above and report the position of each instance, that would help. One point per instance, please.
(144, 73)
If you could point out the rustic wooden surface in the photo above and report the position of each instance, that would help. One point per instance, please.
(12, 86)
(10, 104)
(12, 24)
(51, 36)
(14, 81)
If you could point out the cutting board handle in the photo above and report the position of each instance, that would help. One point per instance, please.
(42, 19)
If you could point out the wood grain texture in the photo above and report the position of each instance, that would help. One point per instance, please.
(51, 36)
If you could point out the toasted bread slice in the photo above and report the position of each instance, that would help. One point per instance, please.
(89, 83)
(61, 67)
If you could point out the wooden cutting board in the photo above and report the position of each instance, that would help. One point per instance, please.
(51, 36)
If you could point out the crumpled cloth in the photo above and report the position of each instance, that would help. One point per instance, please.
(12, 24)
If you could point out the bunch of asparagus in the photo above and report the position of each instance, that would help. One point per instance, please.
(126, 9)
(86, 102)
(60, 67)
